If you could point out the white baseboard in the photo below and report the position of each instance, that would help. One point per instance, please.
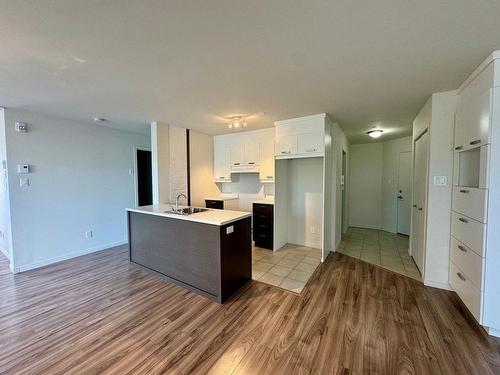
(492, 331)
(438, 284)
(60, 258)
(4, 252)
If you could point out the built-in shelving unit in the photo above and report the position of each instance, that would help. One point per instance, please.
(475, 239)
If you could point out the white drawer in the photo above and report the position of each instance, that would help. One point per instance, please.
(468, 261)
(472, 202)
(468, 293)
(468, 231)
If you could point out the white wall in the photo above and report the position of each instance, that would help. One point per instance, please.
(248, 187)
(365, 185)
(390, 174)
(437, 244)
(80, 181)
(305, 201)
(201, 166)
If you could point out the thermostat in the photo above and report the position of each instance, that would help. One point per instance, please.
(23, 168)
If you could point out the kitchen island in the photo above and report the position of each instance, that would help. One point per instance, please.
(208, 252)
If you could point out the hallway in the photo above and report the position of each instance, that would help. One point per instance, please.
(380, 248)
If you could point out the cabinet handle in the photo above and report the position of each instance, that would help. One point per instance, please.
(284, 152)
(269, 176)
(461, 248)
(222, 177)
(461, 277)
(463, 220)
(251, 162)
(236, 163)
(311, 150)
(414, 206)
(465, 191)
(475, 142)
(420, 208)
(459, 148)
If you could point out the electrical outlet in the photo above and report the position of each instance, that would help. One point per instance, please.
(313, 229)
(89, 234)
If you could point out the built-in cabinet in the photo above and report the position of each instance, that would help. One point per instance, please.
(475, 239)
(299, 138)
(246, 152)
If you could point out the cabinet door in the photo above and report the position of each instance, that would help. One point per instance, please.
(237, 158)
(311, 143)
(461, 122)
(266, 173)
(221, 164)
(251, 151)
(286, 145)
(480, 111)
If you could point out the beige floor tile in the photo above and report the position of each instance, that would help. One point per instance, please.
(271, 279)
(257, 274)
(305, 267)
(294, 257)
(262, 266)
(280, 271)
(271, 259)
(293, 285)
(312, 259)
(288, 263)
(299, 275)
(372, 258)
(394, 267)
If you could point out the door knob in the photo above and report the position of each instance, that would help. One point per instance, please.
(420, 208)
(400, 197)
(414, 206)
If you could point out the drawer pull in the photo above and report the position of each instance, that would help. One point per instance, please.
(236, 163)
(460, 276)
(465, 191)
(463, 220)
(459, 148)
(461, 248)
(251, 162)
(475, 142)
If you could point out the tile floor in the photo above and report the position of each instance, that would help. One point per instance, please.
(289, 268)
(384, 249)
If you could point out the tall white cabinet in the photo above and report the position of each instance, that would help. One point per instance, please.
(304, 182)
(475, 225)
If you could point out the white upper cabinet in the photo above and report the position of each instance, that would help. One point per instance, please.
(286, 145)
(246, 152)
(222, 163)
(310, 143)
(473, 114)
(301, 137)
(266, 170)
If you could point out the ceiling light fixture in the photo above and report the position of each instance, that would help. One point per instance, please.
(375, 133)
(237, 121)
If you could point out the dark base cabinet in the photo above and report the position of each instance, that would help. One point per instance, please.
(263, 225)
(209, 203)
(212, 260)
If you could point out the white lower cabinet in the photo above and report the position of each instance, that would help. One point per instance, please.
(468, 293)
(468, 231)
(471, 202)
(467, 260)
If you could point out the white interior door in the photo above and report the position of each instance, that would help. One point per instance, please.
(420, 197)
(404, 193)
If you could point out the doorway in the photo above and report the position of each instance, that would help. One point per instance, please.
(404, 193)
(419, 199)
(144, 179)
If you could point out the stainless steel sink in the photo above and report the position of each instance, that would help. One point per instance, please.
(186, 210)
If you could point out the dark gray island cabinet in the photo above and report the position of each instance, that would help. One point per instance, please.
(208, 252)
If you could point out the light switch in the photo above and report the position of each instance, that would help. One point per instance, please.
(23, 168)
(24, 182)
(230, 229)
(440, 180)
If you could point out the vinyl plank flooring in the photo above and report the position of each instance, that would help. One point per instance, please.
(99, 314)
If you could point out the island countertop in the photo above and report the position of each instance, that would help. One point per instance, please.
(212, 216)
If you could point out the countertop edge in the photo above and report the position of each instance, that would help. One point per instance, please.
(244, 215)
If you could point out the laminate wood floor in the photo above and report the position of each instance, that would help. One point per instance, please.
(96, 314)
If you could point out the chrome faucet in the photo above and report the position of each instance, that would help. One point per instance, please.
(177, 200)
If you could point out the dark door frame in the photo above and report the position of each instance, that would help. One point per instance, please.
(136, 182)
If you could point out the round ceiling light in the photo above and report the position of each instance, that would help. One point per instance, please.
(375, 133)
(237, 121)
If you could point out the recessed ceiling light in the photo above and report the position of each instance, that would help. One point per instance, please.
(375, 133)
(100, 119)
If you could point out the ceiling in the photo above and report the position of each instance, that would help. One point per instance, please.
(191, 62)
